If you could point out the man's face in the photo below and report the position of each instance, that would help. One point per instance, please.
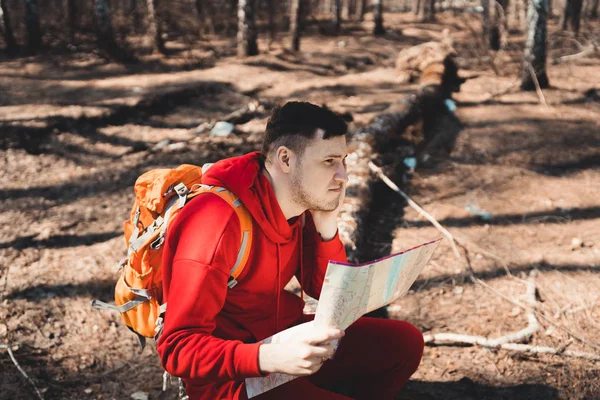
(319, 175)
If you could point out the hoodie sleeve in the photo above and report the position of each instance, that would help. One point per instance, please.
(316, 256)
(202, 245)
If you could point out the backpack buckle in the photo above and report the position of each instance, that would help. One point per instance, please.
(157, 244)
(136, 218)
(121, 264)
(181, 190)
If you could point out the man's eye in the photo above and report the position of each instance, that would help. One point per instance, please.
(329, 161)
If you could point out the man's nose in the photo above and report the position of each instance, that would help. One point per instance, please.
(341, 175)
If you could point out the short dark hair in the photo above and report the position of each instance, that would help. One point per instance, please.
(294, 124)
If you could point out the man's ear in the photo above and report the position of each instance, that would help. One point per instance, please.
(284, 158)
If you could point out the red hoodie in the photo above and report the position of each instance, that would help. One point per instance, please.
(211, 333)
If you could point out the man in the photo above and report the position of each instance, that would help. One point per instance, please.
(212, 334)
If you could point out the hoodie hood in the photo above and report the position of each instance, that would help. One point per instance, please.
(242, 176)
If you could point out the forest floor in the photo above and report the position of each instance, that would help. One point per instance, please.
(77, 130)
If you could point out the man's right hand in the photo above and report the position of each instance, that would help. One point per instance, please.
(301, 356)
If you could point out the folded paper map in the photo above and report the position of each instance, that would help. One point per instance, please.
(349, 292)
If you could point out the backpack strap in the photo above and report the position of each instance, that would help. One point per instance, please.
(245, 219)
(245, 227)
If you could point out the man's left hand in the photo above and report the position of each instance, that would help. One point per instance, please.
(326, 221)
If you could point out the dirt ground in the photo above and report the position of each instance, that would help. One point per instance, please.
(77, 130)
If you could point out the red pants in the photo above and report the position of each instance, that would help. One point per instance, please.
(377, 356)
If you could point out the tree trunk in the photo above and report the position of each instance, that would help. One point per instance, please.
(272, 4)
(520, 13)
(308, 7)
(136, 16)
(198, 6)
(535, 46)
(378, 17)
(490, 24)
(34, 32)
(70, 8)
(565, 15)
(220, 12)
(104, 30)
(246, 36)
(572, 15)
(197, 10)
(337, 16)
(594, 9)
(505, 4)
(501, 22)
(514, 12)
(361, 6)
(296, 13)
(204, 12)
(154, 27)
(485, 18)
(346, 10)
(9, 37)
(430, 16)
(576, 15)
(422, 12)
(416, 6)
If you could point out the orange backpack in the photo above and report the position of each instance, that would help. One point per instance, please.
(160, 194)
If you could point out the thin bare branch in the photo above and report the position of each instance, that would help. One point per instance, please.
(591, 49)
(14, 360)
(467, 265)
(549, 350)
(415, 206)
(538, 89)
(539, 314)
(521, 335)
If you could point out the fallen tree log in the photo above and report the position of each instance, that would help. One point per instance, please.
(410, 127)
(412, 61)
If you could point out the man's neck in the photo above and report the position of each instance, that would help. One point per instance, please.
(282, 191)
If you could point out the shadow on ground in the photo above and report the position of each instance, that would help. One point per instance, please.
(466, 389)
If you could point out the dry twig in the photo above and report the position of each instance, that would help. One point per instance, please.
(509, 89)
(539, 314)
(415, 206)
(453, 240)
(469, 270)
(538, 89)
(522, 335)
(591, 49)
(14, 360)
(549, 350)
(507, 341)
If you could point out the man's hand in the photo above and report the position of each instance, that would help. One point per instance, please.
(304, 355)
(326, 221)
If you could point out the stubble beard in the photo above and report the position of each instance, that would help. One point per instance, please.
(303, 198)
